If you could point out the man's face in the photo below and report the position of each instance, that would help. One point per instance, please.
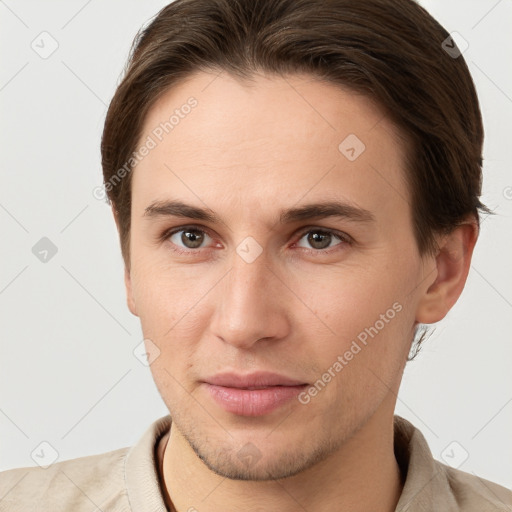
(249, 293)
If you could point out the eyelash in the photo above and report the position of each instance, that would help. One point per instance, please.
(343, 237)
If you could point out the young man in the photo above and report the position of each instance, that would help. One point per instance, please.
(296, 187)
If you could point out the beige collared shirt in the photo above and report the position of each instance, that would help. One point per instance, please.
(127, 480)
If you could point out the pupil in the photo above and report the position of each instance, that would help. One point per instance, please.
(316, 238)
(194, 240)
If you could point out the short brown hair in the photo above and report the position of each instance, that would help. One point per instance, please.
(390, 50)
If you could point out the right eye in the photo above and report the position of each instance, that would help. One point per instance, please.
(186, 239)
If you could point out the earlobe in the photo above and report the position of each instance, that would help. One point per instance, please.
(452, 264)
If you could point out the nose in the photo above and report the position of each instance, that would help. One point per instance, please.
(250, 304)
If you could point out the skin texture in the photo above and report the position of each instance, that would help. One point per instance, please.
(246, 152)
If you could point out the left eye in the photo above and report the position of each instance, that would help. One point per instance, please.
(321, 239)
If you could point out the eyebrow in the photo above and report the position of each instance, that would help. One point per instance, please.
(175, 208)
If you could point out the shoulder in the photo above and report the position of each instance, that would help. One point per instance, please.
(81, 484)
(475, 494)
(431, 485)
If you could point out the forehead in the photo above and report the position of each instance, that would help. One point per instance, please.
(292, 136)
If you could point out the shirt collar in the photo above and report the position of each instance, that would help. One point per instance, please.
(426, 487)
(141, 470)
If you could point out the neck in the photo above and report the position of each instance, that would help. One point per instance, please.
(362, 475)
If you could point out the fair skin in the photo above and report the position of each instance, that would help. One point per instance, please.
(246, 153)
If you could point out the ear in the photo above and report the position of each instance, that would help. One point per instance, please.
(452, 264)
(127, 276)
(129, 293)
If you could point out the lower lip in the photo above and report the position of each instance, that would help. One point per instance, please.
(253, 402)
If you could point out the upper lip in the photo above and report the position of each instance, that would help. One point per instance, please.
(258, 379)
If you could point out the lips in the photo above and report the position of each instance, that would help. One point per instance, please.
(255, 394)
(258, 380)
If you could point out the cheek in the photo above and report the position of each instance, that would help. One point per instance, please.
(363, 317)
(158, 298)
(170, 304)
(346, 301)
(356, 364)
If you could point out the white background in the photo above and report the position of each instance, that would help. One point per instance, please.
(67, 370)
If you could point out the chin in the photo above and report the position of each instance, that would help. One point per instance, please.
(260, 459)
